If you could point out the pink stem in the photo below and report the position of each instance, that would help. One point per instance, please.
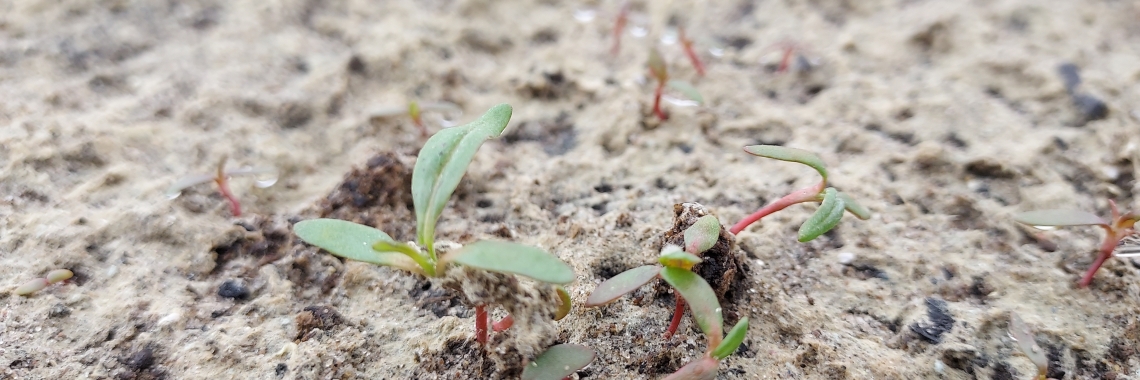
(224, 188)
(503, 324)
(619, 26)
(657, 101)
(807, 194)
(481, 325)
(1111, 237)
(688, 45)
(1088, 277)
(677, 314)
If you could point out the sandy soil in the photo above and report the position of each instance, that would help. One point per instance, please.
(943, 117)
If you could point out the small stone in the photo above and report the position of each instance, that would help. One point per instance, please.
(846, 258)
(235, 289)
(58, 311)
(141, 360)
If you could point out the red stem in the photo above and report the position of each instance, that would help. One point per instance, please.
(677, 314)
(807, 194)
(786, 60)
(481, 325)
(688, 46)
(224, 188)
(503, 324)
(1088, 277)
(657, 101)
(1111, 237)
(619, 26)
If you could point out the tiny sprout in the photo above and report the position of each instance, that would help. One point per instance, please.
(832, 202)
(558, 362)
(38, 284)
(442, 162)
(790, 50)
(1021, 335)
(1119, 228)
(687, 44)
(619, 27)
(659, 71)
(414, 110)
(221, 178)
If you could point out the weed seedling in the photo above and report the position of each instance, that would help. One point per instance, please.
(832, 201)
(415, 110)
(789, 52)
(559, 362)
(1120, 227)
(221, 178)
(687, 44)
(1021, 335)
(38, 284)
(619, 28)
(659, 72)
(438, 169)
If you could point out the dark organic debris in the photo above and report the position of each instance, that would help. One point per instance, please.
(234, 288)
(940, 321)
(1090, 107)
(314, 318)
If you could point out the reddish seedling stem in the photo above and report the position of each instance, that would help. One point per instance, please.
(619, 27)
(687, 44)
(224, 188)
(786, 61)
(657, 101)
(677, 314)
(807, 194)
(503, 324)
(481, 320)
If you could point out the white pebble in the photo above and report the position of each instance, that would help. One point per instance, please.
(846, 258)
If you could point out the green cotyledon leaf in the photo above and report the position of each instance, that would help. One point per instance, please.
(854, 207)
(351, 241)
(621, 284)
(701, 299)
(702, 235)
(1059, 218)
(558, 362)
(732, 340)
(513, 258)
(791, 155)
(825, 218)
(441, 164)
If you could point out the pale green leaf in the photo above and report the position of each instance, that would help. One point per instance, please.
(564, 307)
(854, 207)
(410, 251)
(441, 164)
(351, 241)
(702, 235)
(731, 341)
(673, 256)
(702, 369)
(1025, 340)
(701, 299)
(558, 362)
(621, 284)
(687, 89)
(513, 258)
(825, 218)
(1053, 218)
(791, 155)
(657, 66)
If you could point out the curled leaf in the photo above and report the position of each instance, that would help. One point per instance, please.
(791, 155)
(351, 241)
(1059, 218)
(854, 207)
(564, 307)
(621, 284)
(701, 299)
(513, 258)
(31, 287)
(703, 369)
(673, 256)
(1021, 335)
(558, 362)
(825, 218)
(59, 275)
(687, 89)
(441, 164)
(731, 341)
(407, 250)
(702, 235)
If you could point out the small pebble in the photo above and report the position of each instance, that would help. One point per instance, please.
(233, 289)
(58, 311)
(846, 258)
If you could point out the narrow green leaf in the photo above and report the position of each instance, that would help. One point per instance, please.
(825, 218)
(701, 299)
(564, 307)
(854, 207)
(1053, 218)
(442, 163)
(408, 250)
(351, 241)
(621, 284)
(558, 362)
(687, 89)
(791, 155)
(703, 369)
(673, 256)
(702, 235)
(732, 340)
(513, 258)
(657, 66)
(1021, 335)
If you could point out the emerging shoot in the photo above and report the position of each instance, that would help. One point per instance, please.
(619, 27)
(1116, 229)
(659, 72)
(1021, 335)
(39, 284)
(221, 178)
(687, 44)
(832, 202)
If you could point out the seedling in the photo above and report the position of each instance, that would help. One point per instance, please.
(38, 284)
(221, 179)
(832, 201)
(687, 44)
(415, 110)
(659, 72)
(438, 169)
(789, 51)
(1120, 227)
(1021, 335)
(619, 27)
(559, 362)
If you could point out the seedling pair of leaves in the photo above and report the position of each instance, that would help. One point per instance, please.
(221, 178)
(55, 276)
(832, 202)
(660, 72)
(1119, 227)
(676, 265)
(438, 169)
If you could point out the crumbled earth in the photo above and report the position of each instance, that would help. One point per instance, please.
(943, 118)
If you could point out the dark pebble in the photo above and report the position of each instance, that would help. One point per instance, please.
(235, 289)
(141, 360)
